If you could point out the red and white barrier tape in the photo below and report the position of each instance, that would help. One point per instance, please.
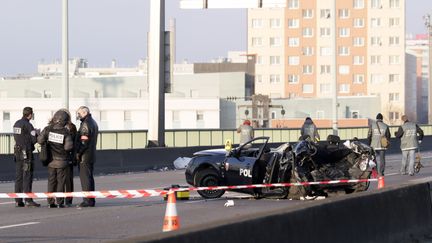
(155, 193)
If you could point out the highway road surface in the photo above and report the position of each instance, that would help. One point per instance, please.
(115, 219)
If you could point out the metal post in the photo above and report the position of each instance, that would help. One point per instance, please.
(65, 55)
(334, 71)
(156, 72)
(428, 24)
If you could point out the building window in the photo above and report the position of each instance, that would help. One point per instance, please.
(257, 41)
(325, 69)
(325, 51)
(344, 69)
(293, 23)
(358, 60)
(376, 78)
(375, 22)
(275, 23)
(275, 41)
(394, 97)
(358, 4)
(393, 40)
(376, 4)
(307, 88)
(344, 32)
(293, 60)
(344, 88)
(358, 23)
(259, 78)
(358, 78)
(6, 116)
(307, 32)
(393, 78)
(200, 116)
(293, 42)
(394, 59)
(325, 88)
(394, 3)
(307, 69)
(324, 32)
(293, 4)
(293, 79)
(343, 13)
(394, 116)
(127, 116)
(274, 78)
(343, 51)
(376, 41)
(393, 22)
(307, 13)
(375, 60)
(358, 41)
(274, 60)
(257, 23)
(325, 13)
(308, 51)
(260, 60)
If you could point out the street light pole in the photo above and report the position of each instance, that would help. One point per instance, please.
(428, 24)
(65, 55)
(334, 72)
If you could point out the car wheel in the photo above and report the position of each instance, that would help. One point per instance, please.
(208, 177)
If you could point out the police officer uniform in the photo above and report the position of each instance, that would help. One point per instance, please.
(60, 144)
(86, 141)
(25, 138)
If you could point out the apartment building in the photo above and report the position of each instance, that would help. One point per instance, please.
(294, 51)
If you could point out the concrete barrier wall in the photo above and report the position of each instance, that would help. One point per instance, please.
(390, 215)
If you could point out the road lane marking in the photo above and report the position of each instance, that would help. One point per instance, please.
(18, 225)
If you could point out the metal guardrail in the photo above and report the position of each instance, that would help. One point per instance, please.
(137, 139)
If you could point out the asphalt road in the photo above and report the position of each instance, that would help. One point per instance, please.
(114, 219)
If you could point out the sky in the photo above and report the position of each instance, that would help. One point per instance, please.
(102, 30)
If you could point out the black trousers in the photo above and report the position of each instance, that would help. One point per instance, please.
(56, 183)
(69, 185)
(23, 178)
(87, 180)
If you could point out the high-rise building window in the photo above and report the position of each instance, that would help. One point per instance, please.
(275, 23)
(324, 31)
(344, 69)
(344, 32)
(325, 51)
(376, 78)
(6, 116)
(343, 51)
(257, 41)
(200, 116)
(394, 59)
(358, 60)
(258, 78)
(127, 115)
(293, 79)
(358, 23)
(394, 115)
(393, 22)
(394, 3)
(307, 88)
(293, 23)
(307, 69)
(325, 88)
(375, 22)
(307, 32)
(307, 13)
(325, 13)
(293, 60)
(293, 4)
(344, 88)
(358, 4)
(325, 69)
(293, 41)
(393, 78)
(308, 51)
(274, 60)
(393, 40)
(376, 4)
(358, 41)
(260, 60)
(376, 41)
(275, 41)
(343, 13)
(394, 97)
(274, 78)
(358, 78)
(375, 59)
(257, 23)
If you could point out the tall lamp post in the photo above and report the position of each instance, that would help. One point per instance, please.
(65, 55)
(428, 24)
(334, 72)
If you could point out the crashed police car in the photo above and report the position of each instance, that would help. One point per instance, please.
(305, 161)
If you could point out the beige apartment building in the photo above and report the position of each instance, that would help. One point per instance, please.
(294, 51)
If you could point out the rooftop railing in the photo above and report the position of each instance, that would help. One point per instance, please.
(137, 139)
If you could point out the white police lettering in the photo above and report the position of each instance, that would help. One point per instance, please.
(55, 137)
(17, 130)
(245, 173)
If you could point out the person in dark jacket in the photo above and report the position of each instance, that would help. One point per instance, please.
(69, 171)
(60, 144)
(377, 130)
(25, 137)
(309, 129)
(411, 135)
(86, 152)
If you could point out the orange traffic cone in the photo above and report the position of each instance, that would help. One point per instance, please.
(171, 220)
(381, 182)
